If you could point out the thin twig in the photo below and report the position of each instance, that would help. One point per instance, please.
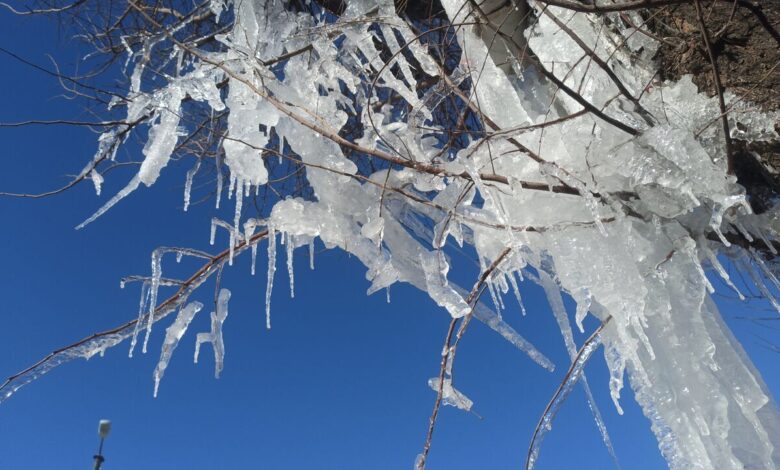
(718, 88)
(448, 352)
(529, 462)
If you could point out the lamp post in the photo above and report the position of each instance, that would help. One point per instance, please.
(104, 427)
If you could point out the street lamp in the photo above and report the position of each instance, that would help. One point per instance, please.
(104, 427)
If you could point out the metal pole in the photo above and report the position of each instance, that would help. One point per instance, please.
(99, 459)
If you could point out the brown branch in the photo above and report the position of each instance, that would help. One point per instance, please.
(159, 312)
(448, 353)
(66, 122)
(86, 171)
(333, 135)
(718, 88)
(420, 464)
(753, 7)
(601, 63)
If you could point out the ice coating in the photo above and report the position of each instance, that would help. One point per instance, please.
(450, 395)
(575, 373)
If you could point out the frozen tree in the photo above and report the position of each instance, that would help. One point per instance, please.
(537, 133)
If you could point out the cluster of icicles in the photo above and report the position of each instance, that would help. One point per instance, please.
(644, 273)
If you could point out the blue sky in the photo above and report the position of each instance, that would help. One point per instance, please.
(338, 383)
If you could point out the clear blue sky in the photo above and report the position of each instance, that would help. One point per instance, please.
(338, 383)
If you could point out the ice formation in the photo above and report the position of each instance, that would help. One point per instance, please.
(621, 200)
(173, 334)
(215, 335)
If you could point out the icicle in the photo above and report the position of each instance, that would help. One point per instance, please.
(249, 231)
(97, 180)
(497, 294)
(690, 249)
(502, 283)
(219, 180)
(137, 327)
(231, 185)
(231, 248)
(763, 238)
(765, 269)
(387, 293)
(574, 374)
(721, 236)
(616, 364)
(516, 290)
(703, 275)
(188, 184)
(234, 233)
(311, 254)
(215, 335)
(290, 247)
(718, 267)
(743, 231)
(254, 258)
(156, 275)
(131, 186)
(559, 311)
(491, 288)
(179, 254)
(583, 306)
(271, 270)
(756, 278)
(173, 334)
(435, 269)
(639, 329)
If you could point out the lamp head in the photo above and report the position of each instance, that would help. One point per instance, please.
(104, 428)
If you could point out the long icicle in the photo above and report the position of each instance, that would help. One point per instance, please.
(564, 389)
(271, 270)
